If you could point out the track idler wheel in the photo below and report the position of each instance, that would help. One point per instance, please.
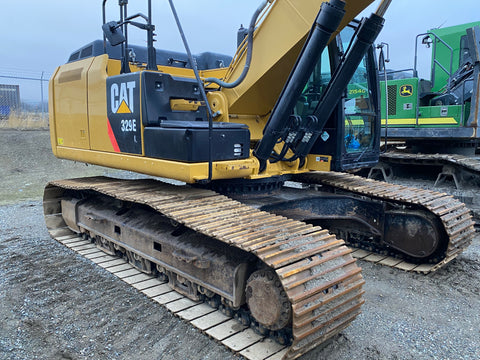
(267, 300)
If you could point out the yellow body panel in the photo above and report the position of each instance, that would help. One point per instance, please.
(187, 172)
(429, 121)
(97, 101)
(51, 113)
(70, 104)
(185, 105)
(319, 162)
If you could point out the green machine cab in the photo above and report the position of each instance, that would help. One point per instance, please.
(440, 112)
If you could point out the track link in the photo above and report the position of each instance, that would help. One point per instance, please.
(460, 161)
(459, 175)
(316, 270)
(454, 216)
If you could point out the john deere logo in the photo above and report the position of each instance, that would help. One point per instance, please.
(121, 97)
(406, 90)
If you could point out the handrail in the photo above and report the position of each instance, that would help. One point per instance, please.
(382, 65)
(436, 62)
(104, 17)
(449, 73)
(123, 22)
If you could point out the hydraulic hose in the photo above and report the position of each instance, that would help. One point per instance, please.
(251, 30)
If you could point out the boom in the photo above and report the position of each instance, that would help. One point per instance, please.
(278, 40)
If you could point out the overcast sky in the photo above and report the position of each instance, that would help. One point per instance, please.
(40, 35)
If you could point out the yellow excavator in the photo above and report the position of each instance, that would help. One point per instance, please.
(262, 147)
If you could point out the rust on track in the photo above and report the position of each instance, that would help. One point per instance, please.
(317, 271)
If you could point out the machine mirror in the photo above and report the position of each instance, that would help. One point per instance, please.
(113, 33)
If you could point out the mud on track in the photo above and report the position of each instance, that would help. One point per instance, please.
(56, 305)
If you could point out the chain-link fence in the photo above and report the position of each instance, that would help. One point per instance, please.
(23, 99)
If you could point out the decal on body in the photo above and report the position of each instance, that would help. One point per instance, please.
(123, 105)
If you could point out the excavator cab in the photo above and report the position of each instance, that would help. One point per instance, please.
(352, 133)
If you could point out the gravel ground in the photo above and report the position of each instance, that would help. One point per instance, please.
(56, 305)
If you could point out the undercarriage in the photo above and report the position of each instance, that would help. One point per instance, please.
(264, 259)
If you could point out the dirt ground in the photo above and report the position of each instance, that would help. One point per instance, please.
(56, 305)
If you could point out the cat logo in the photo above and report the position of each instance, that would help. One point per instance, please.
(121, 97)
(406, 90)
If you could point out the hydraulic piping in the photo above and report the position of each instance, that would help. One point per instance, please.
(251, 30)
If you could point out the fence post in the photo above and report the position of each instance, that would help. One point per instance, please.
(41, 95)
(29, 100)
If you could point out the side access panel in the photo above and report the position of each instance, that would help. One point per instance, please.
(97, 100)
(70, 104)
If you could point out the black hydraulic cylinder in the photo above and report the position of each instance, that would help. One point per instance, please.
(366, 35)
(328, 20)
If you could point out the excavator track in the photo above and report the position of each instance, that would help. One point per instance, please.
(317, 274)
(461, 161)
(461, 171)
(454, 216)
(452, 165)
